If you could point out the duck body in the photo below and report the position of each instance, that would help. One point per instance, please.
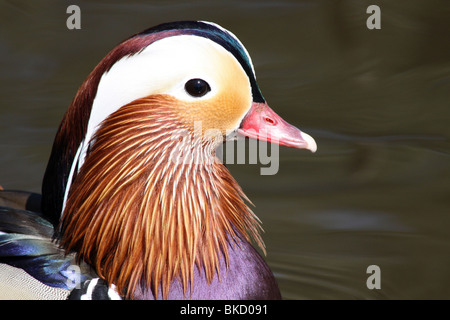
(27, 244)
(250, 278)
(32, 265)
(133, 195)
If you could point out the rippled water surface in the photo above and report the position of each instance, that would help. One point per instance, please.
(377, 102)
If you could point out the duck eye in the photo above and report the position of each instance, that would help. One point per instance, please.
(197, 87)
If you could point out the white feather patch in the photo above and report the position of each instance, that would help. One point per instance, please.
(161, 68)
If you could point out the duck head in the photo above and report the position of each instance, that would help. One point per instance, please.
(112, 186)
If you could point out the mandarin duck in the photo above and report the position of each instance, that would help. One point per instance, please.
(134, 203)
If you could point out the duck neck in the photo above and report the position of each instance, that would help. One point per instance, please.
(151, 202)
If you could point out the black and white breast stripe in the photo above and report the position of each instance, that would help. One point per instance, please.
(95, 289)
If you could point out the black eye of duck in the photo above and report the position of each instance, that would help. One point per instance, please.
(197, 87)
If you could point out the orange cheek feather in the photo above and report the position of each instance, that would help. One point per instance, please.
(222, 112)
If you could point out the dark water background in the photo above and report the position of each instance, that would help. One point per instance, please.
(376, 101)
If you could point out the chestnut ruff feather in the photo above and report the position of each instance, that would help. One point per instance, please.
(140, 217)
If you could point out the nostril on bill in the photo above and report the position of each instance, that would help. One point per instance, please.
(269, 121)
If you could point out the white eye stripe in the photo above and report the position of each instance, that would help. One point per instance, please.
(161, 68)
(237, 40)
